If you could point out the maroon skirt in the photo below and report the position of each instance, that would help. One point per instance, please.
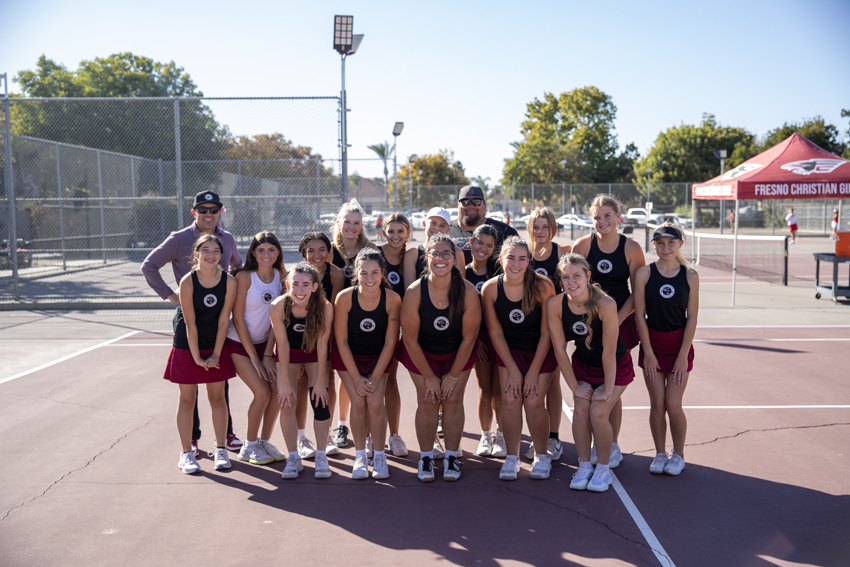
(596, 374)
(299, 356)
(365, 364)
(237, 348)
(665, 347)
(440, 363)
(524, 358)
(181, 368)
(628, 332)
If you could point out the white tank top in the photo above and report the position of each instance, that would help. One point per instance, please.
(257, 303)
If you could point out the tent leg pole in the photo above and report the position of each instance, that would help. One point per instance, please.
(735, 255)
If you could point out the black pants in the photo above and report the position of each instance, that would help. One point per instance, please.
(196, 423)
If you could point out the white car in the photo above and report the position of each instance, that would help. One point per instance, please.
(417, 220)
(678, 220)
(581, 221)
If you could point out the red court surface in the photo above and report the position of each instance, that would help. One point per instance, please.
(92, 478)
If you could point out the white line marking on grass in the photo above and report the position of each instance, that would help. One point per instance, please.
(659, 551)
(64, 358)
(748, 407)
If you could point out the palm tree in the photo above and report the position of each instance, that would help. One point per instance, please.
(481, 182)
(383, 151)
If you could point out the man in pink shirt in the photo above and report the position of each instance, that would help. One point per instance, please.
(177, 250)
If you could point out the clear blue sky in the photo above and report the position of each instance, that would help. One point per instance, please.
(459, 74)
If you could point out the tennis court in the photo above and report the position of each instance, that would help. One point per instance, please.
(90, 477)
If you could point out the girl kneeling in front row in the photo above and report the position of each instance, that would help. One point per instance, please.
(366, 324)
(600, 369)
(302, 321)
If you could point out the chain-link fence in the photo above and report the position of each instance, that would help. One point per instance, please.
(98, 183)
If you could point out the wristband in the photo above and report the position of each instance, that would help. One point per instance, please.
(452, 377)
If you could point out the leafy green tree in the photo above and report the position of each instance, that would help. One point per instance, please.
(816, 129)
(846, 154)
(272, 156)
(439, 171)
(576, 127)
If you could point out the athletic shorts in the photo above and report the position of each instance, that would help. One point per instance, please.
(596, 374)
(440, 363)
(299, 356)
(365, 364)
(792, 227)
(181, 368)
(628, 332)
(237, 348)
(665, 347)
(524, 358)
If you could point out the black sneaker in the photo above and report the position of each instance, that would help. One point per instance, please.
(452, 470)
(340, 437)
(426, 469)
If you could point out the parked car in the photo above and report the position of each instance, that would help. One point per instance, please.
(638, 217)
(581, 221)
(678, 220)
(417, 220)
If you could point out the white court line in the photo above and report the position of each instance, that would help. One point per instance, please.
(767, 340)
(773, 326)
(659, 551)
(64, 358)
(163, 344)
(748, 407)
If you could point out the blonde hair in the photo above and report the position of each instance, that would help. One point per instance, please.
(604, 200)
(591, 306)
(542, 213)
(681, 233)
(533, 284)
(362, 240)
(315, 306)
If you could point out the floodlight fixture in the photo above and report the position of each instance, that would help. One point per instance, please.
(343, 34)
(399, 126)
(413, 158)
(720, 154)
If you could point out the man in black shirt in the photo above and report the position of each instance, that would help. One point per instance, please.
(472, 213)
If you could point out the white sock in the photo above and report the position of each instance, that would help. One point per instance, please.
(321, 453)
(302, 433)
(360, 453)
(343, 423)
(381, 453)
(250, 443)
(294, 455)
(451, 454)
(613, 445)
(429, 454)
(602, 468)
(485, 432)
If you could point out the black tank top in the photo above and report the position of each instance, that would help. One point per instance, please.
(549, 267)
(575, 329)
(438, 332)
(421, 264)
(667, 300)
(475, 279)
(327, 284)
(295, 332)
(339, 262)
(521, 331)
(610, 271)
(367, 330)
(208, 302)
(394, 273)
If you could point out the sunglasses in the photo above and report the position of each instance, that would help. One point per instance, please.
(207, 210)
(473, 202)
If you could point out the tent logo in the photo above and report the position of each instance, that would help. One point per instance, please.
(579, 328)
(517, 316)
(441, 323)
(367, 325)
(810, 166)
(740, 170)
(667, 291)
(393, 278)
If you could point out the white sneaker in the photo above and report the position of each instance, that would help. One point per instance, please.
(600, 480)
(222, 461)
(426, 469)
(439, 453)
(510, 468)
(305, 449)
(292, 468)
(500, 450)
(593, 458)
(322, 469)
(451, 472)
(554, 449)
(616, 456)
(361, 468)
(675, 465)
(271, 450)
(188, 464)
(485, 445)
(254, 454)
(542, 467)
(370, 448)
(530, 453)
(658, 463)
(582, 476)
(379, 467)
(397, 446)
(331, 448)
(440, 425)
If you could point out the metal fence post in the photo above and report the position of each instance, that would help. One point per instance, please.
(161, 204)
(318, 200)
(532, 195)
(179, 163)
(60, 192)
(102, 215)
(10, 188)
(572, 225)
(239, 194)
(135, 212)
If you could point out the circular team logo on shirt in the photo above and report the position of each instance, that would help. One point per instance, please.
(349, 272)
(478, 287)
(604, 266)
(393, 277)
(298, 327)
(667, 291)
(542, 272)
(210, 300)
(268, 297)
(579, 328)
(517, 316)
(441, 323)
(367, 325)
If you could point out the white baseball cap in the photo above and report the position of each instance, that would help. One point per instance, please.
(440, 212)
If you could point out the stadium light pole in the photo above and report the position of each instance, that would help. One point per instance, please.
(345, 43)
(399, 126)
(721, 155)
(419, 185)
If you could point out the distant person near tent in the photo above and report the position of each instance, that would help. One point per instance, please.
(791, 219)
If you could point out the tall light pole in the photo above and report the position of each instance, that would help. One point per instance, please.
(419, 185)
(346, 43)
(399, 126)
(411, 161)
(721, 155)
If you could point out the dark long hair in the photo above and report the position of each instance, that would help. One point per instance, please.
(251, 265)
(457, 292)
(196, 262)
(315, 306)
(533, 284)
(366, 255)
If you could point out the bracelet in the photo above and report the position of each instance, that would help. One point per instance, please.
(452, 377)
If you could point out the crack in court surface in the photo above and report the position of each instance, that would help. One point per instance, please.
(72, 471)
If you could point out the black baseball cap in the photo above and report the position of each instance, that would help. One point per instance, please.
(471, 192)
(207, 198)
(668, 231)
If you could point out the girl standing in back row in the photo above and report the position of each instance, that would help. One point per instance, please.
(666, 307)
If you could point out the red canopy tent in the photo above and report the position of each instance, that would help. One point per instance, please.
(793, 169)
